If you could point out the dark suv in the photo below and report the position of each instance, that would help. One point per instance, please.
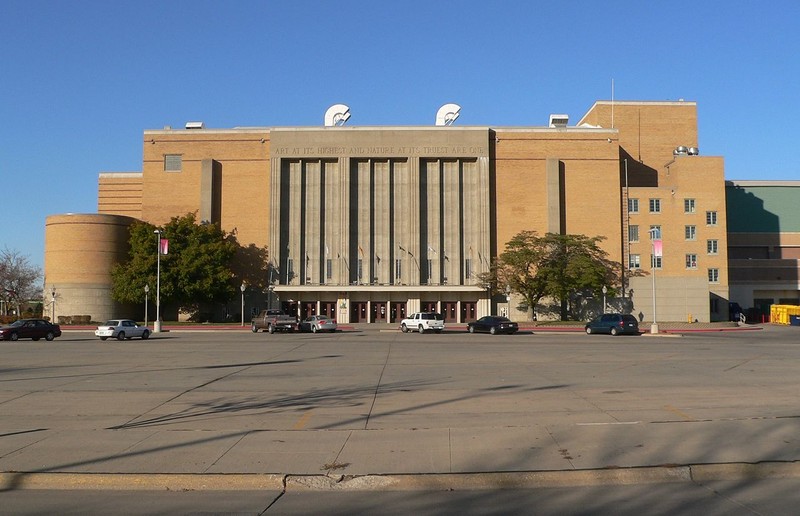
(615, 324)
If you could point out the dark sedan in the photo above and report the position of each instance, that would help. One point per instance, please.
(493, 324)
(615, 324)
(30, 329)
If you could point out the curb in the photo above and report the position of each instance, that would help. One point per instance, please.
(405, 482)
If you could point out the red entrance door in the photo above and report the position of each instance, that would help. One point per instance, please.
(398, 312)
(379, 312)
(449, 311)
(359, 312)
(307, 309)
(468, 311)
(328, 308)
(429, 306)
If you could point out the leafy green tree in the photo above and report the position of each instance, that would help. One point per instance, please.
(196, 269)
(563, 267)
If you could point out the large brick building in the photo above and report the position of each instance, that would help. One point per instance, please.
(370, 223)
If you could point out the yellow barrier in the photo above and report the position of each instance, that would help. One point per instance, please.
(779, 314)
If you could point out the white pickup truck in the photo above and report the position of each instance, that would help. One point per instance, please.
(422, 322)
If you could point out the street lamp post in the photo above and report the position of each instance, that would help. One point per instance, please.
(242, 288)
(53, 293)
(654, 234)
(146, 292)
(605, 291)
(508, 300)
(157, 322)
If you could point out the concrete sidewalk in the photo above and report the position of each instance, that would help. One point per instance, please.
(439, 458)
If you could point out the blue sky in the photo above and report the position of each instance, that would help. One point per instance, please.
(81, 80)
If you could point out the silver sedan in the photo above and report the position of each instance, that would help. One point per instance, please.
(317, 323)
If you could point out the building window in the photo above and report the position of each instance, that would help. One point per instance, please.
(655, 205)
(713, 275)
(633, 205)
(691, 261)
(711, 218)
(289, 270)
(329, 269)
(468, 268)
(634, 261)
(430, 270)
(688, 206)
(173, 162)
(690, 232)
(633, 233)
(655, 230)
(712, 246)
(398, 269)
(360, 270)
(655, 262)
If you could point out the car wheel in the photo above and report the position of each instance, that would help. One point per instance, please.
(438, 331)
(271, 329)
(404, 328)
(50, 336)
(313, 329)
(103, 338)
(121, 335)
(614, 330)
(421, 329)
(471, 329)
(254, 328)
(493, 330)
(35, 338)
(14, 336)
(588, 331)
(145, 334)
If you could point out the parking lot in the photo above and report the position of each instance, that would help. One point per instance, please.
(371, 402)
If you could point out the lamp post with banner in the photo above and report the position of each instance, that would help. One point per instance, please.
(655, 238)
(243, 287)
(161, 248)
(146, 292)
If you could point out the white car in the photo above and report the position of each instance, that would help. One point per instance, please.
(121, 329)
(422, 322)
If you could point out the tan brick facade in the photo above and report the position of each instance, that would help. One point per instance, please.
(419, 189)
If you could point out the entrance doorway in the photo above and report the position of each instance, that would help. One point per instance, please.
(429, 306)
(398, 312)
(307, 309)
(328, 308)
(379, 312)
(468, 311)
(449, 311)
(358, 313)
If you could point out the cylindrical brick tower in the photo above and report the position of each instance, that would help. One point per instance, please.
(80, 250)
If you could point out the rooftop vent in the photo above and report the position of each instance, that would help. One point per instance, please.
(694, 151)
(680, 151)
(559, 120)
(195, 125)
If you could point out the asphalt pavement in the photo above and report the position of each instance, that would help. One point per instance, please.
(370, 409)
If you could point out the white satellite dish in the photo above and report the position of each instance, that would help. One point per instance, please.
(336, 115)
(447, 114)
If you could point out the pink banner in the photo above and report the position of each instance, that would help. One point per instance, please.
(163, 246)
(657, 250)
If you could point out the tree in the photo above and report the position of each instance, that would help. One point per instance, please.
(196, 270)
(19, 279)
(563, 267)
